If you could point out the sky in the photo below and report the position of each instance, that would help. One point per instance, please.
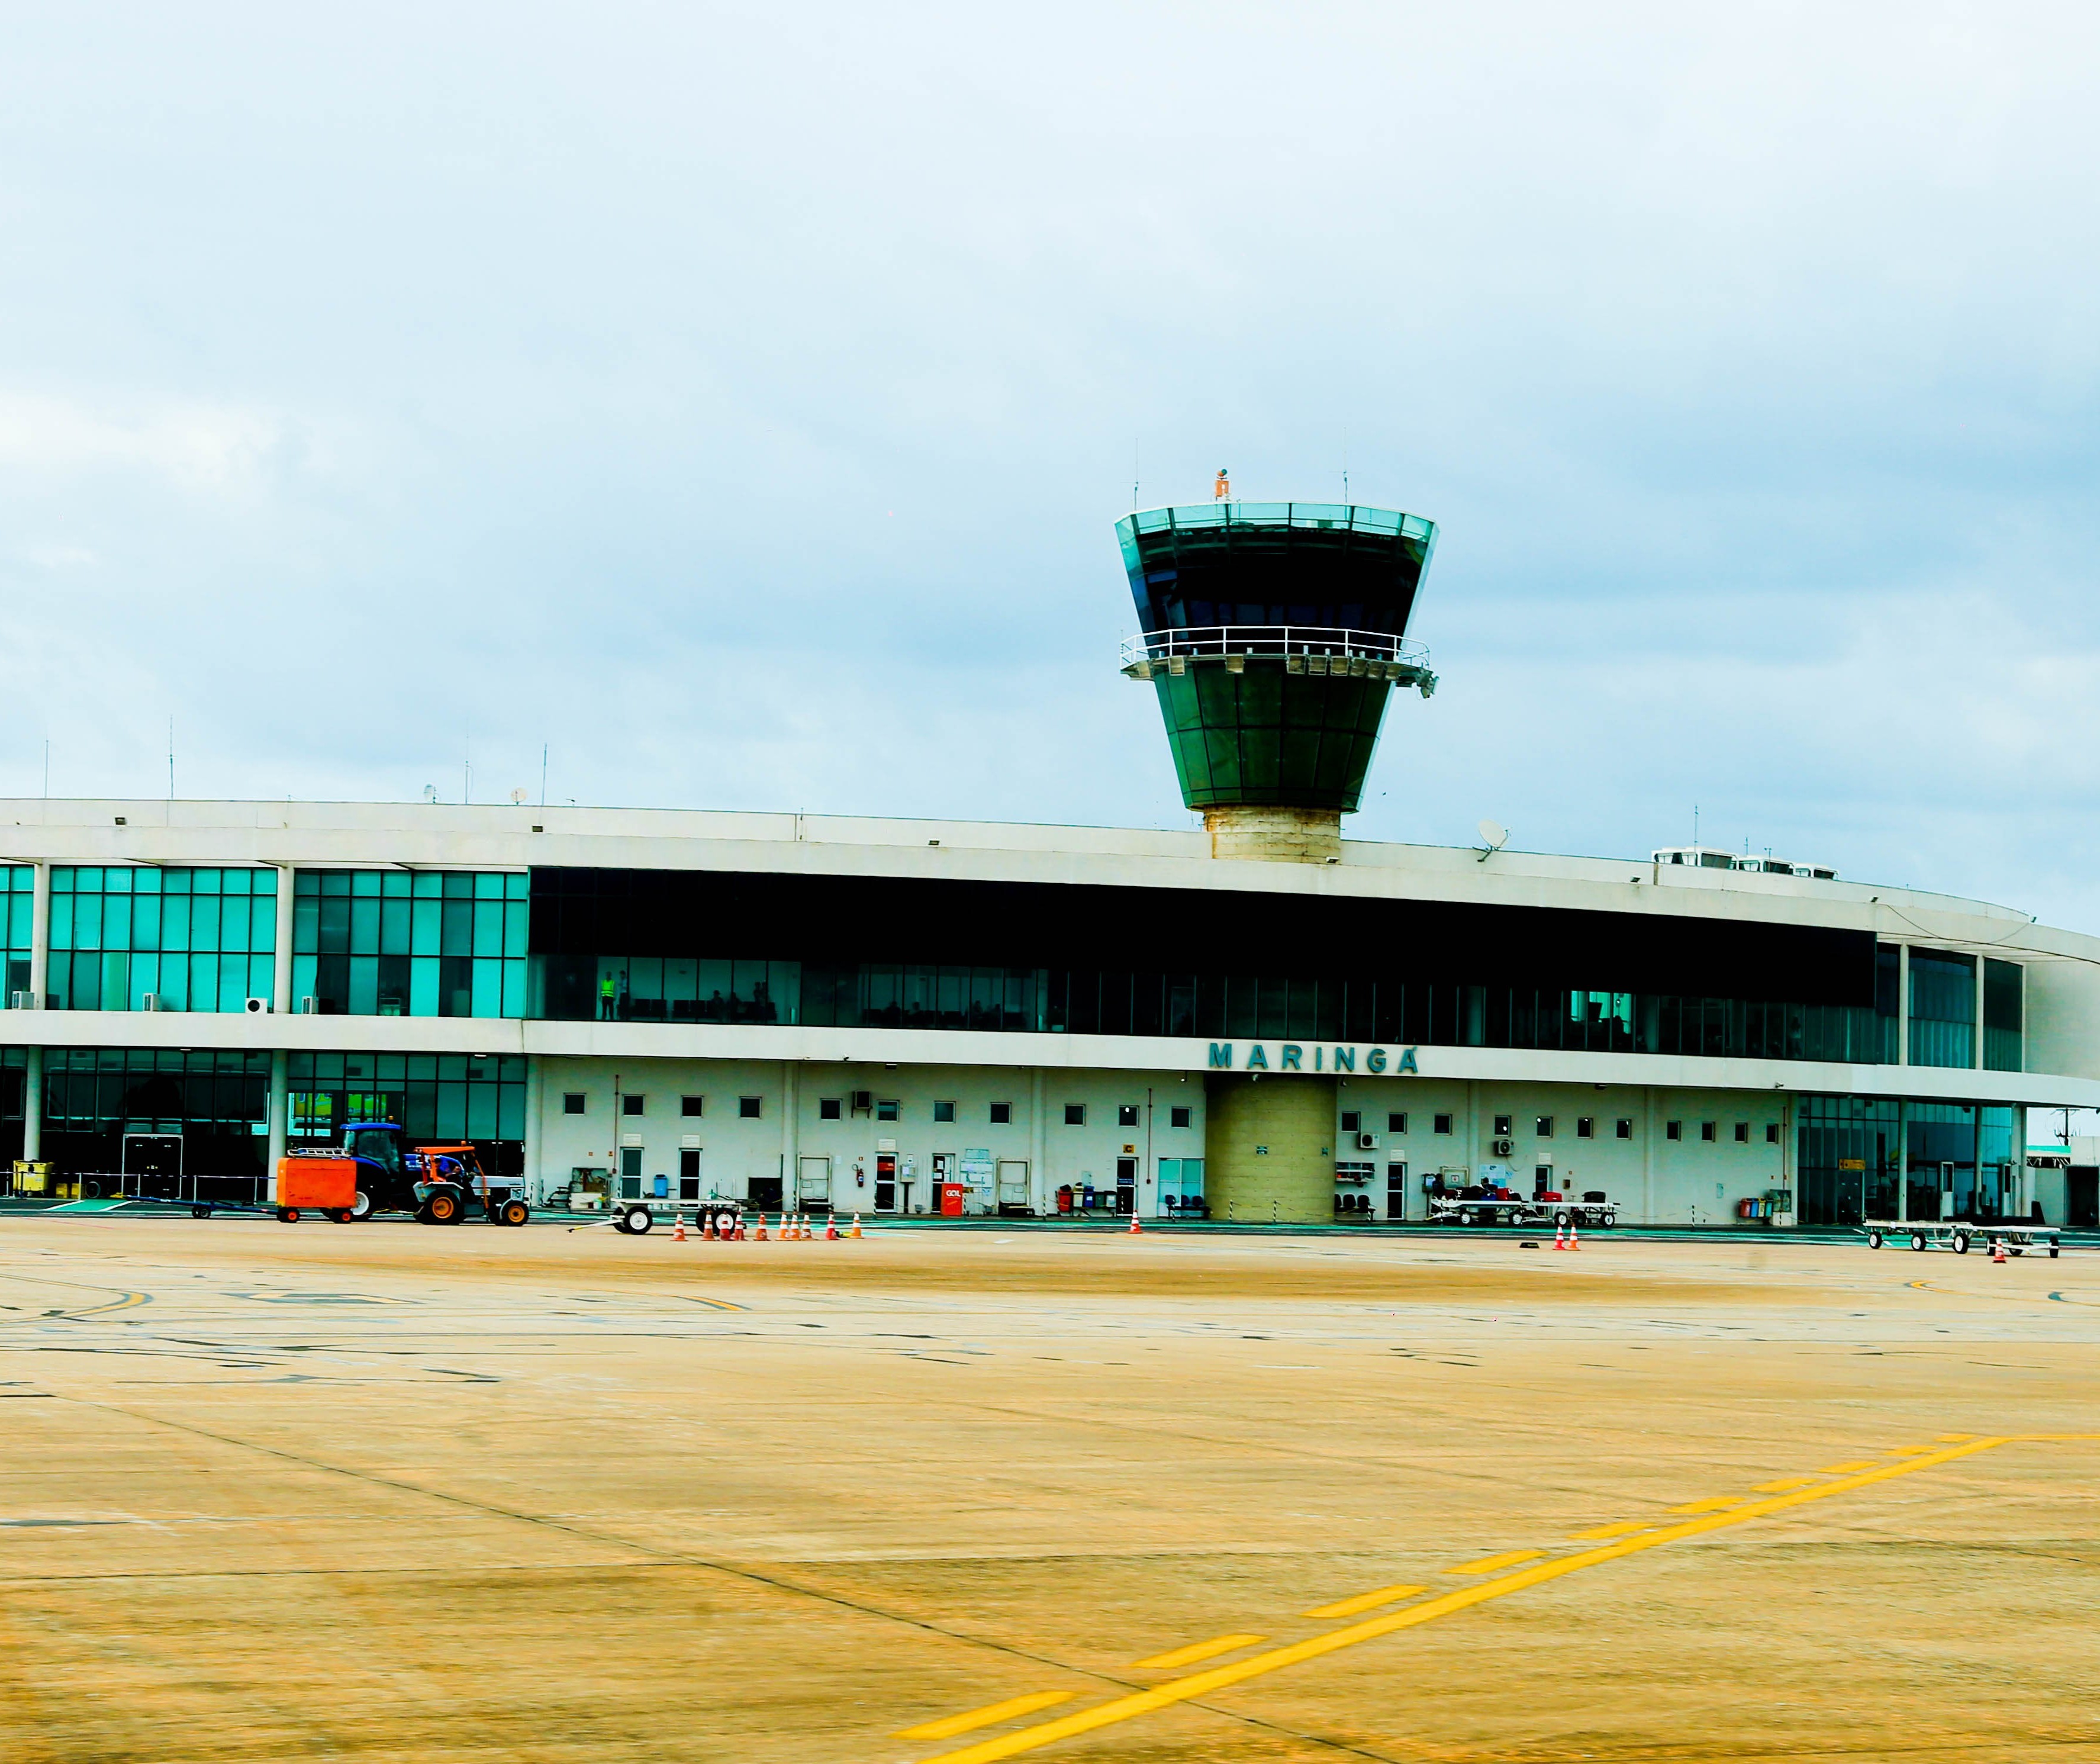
(734, 404)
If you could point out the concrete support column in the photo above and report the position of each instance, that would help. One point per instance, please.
(280, 956)
(535, 1091)
(39, 939)
(1903, 1159)
(1651, 1133)
(1472, 1130)
(1042, 1191)
(32, 1104)
(791, 1142)
(1976, 1002)
(280, 1101)
(1903, 1004)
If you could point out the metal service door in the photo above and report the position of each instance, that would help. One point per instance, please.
(153, 1165)
(1396, 1191)
(1126, 1200)
(689, 1173)
(813, 1184)
(1012, 1182)
(885, 1182)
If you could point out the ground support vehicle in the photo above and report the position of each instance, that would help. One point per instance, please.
(637, 1218)
(316, 1180)
(1484, 1209)
(441, 1184)
(1594, 1210)
(1961, 1235)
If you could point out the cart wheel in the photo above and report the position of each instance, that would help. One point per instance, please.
(1917, 1240)
(288, 1215)
(199, 1212)
(514, 1212)
(442, 1209)
(361, 1206)
(342, 1215)
(1961, 1243)
(638, 1221)
(2017, 1249)
(1560, 1218)
(1873, 1240)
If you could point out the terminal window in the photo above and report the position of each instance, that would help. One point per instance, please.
(1179, 1117)
(1673, 1129)
(1772, 1133)
(1125, 1114)
(1352, 1122)
(886, 1108)
(1742, 1133)
(1441, 1123)
(1076, 1114)
(1545, 1127)
(1501, 1127)
(830, 1108)
(572, 1102)
(1586, 1128)
(692, 1106)
(634, 1103)
(1002, 1114)
(1709, 1130)
(1624, 1127)
(748, 1107)
(944, 1111)
(1396, 1123)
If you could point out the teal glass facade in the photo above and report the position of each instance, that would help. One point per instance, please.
(402, 943)
(217, 1100)
(438, 1098)
(1878, 1159)
(1942, 1008)
(2004, 1004)
(194, 940)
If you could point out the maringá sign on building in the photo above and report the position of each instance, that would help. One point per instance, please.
(1290, 1057)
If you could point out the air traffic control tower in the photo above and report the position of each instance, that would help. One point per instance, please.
(1273, 634)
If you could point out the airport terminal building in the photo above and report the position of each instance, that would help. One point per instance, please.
(1256, 1021)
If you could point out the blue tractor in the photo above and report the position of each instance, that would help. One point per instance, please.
(441, 1184)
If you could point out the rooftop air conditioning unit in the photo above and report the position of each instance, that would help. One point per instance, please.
(1367, 1142)
(310, 1006)
(258, 1007)
(863, 1101)
(21, 1001)
(1501, 1148)
(150, 1001)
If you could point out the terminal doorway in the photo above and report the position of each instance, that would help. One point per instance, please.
(812, 1185)
(885, 1183)
(151, 1166)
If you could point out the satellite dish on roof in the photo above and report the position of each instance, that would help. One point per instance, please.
(1493, 836)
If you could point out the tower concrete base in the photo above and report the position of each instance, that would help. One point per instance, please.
(1269, 1150)
(1275, 836)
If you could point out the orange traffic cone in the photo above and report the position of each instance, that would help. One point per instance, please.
(1998, 1249)
(759, 1235)
(831, 1230)
(1574, 1234)
(677, 1227)
(1559, 1236)
(733, 1226)
(706, 1227)
(855, 1232)
(1135, 1230)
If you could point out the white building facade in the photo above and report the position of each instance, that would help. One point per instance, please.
(891, 1016)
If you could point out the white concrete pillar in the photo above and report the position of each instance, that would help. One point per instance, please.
(1651, 1133)
(1042, 1193)
(280, 958)
(791, 1138)
(280, 1101)
(1903, 1004)
(40, 938)
(534, 1097)
(32, 1104)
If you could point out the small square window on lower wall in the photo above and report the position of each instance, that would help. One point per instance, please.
(1624, 1127)
(1742, 1133)
(1440, 1123)
(1002, 1114)
(888, 1108)
(1709, 1131)
(750, 1108)
(1076, 1114)
(692, 1107)
(572, 1102)
(1585, 1127)
(634, 1103)
(831, 1107)
(1545, 1127)
(1180, 1118)
(944, 1112)
(1396, 1123)
(1772, 1133)
(1127, 1114)
(1351, 1121)
(1673, 1129)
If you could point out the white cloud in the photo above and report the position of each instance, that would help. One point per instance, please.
(195, 447)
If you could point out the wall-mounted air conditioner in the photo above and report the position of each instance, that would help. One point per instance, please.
(1501, 1148)
(863, 1102)
(258, 1007)
(310, 1006)
(21, 1001)
(1367, 1142)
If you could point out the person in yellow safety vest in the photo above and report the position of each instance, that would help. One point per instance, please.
(1223, 490)
(607, 991)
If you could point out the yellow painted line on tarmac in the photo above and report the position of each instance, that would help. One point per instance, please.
(1785, 1483)
(1196, 1650)
(1716, 1503)
(1846, 1470)
(948, 1726)
(1597, 1532)
(130, 1302)
(1349, 1607)
(1200, 1684)
(1508, 1559)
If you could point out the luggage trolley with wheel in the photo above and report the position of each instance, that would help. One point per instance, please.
(1961, 1235)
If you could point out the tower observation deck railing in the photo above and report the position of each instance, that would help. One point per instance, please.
(1302, 649)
